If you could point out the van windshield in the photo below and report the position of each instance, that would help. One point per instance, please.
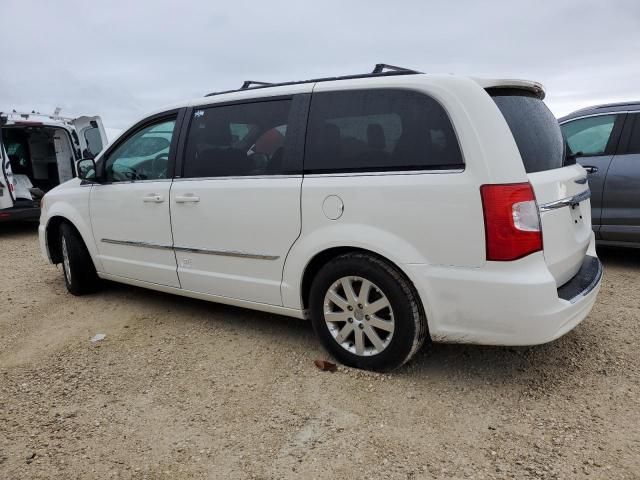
(534, 128)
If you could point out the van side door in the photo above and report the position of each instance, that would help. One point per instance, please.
(6, 179)
(621, 200)
(235, 209)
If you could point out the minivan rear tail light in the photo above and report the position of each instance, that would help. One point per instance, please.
(511, 221)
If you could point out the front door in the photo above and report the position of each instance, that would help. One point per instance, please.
(6, 179)
(235, 212)
(130, 207)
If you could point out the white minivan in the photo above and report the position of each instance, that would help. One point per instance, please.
(39, 152)
(391, 209)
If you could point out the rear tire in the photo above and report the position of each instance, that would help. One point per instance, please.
(366, 313)
(80, 274)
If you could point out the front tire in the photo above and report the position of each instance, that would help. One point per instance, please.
(366, 313)
(80, 275)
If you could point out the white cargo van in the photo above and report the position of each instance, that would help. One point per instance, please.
(39, 152)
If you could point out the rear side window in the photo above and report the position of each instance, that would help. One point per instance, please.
(378, 130)
(238, 140)
(589, 136)
(534, 128)
(634, 135)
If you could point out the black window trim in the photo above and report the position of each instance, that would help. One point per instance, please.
(177, 113)
(296, 132)
(409, 170)
(613, 144)
(625, 138)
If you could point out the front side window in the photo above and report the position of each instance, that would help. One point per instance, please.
(377, 130)
(142, 156)
(238, 140)
(590, 135)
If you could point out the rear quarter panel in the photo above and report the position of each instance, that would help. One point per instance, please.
(432, 218)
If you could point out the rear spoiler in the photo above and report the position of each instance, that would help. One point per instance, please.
(531, 87)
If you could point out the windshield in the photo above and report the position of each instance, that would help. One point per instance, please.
(534, 128)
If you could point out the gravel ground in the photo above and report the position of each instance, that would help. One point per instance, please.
(181, 388)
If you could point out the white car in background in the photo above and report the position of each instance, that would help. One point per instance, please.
(39, 152)
(392, 209)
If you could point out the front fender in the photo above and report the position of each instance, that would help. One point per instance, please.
(72, 204)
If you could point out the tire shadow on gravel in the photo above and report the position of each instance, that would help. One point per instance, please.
(563, 362)
(218, 315)
(549, 364)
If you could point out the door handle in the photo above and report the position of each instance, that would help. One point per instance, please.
(188, 198)
(153, 198)
(590, 169)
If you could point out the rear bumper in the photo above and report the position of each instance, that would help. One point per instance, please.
(587, 278)
(505, 303)
(19, 214)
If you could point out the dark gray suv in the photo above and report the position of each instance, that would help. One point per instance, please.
(606, 141)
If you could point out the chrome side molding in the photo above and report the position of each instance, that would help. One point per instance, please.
(565, 202)
(226, 253)
(137, 244)
(207, 251)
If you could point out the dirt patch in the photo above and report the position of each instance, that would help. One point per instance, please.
(186, 389)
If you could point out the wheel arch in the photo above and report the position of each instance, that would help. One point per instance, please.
(321, 258)
(53, 237)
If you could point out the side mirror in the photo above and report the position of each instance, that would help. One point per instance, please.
(86, 169)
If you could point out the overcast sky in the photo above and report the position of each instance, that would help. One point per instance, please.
(121, 59)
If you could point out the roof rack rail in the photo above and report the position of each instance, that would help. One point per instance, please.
(26, 115)
(380, 70)
(247, 84)
(381, 67)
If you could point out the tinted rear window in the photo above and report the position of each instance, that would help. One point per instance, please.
(377, 130)
(534, 128)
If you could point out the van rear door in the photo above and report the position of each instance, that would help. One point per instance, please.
(6, 178)
(91, 135)
(562, 192)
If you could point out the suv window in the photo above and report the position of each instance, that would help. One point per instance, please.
(376, 130)
(534, 128)
(590, 135)
(238, 140)
(142, 156)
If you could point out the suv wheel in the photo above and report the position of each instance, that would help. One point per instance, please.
(366, 313)
(80, 275)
